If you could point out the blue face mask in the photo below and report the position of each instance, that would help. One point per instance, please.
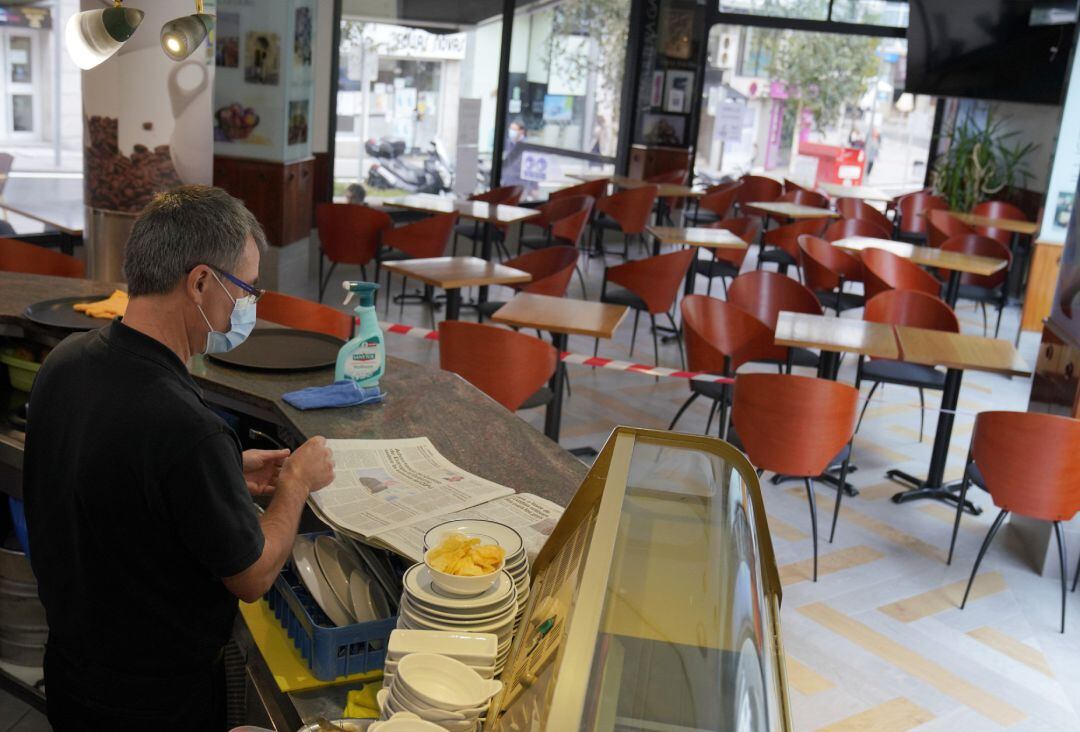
(241, 322)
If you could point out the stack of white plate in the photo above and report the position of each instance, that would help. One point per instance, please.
(476, 650)
(425, 607)
(440, 690)
(492, 532)
(337, 580)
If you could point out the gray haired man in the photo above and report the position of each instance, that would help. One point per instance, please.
(138, 497)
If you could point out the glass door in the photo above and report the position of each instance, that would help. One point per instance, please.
(23, 115)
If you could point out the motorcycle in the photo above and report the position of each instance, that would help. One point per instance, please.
(392, 171)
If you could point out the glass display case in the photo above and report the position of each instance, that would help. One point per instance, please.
(656, 601)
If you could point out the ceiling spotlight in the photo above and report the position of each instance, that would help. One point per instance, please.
(181, 36)
(94, 35)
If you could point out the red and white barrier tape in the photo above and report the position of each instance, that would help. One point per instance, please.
(578, 358)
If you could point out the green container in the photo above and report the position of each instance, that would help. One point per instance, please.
(20, 371)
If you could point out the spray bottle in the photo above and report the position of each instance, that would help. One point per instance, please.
(363, 359)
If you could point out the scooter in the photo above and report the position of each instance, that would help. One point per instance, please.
(393, 171)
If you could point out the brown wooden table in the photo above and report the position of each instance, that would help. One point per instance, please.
(453, 273)
(703, 238)
(955, 262)
(833, 336)
(862, 193)
(561, 317)
(787, 210)
(957, 352)
(1014, 226)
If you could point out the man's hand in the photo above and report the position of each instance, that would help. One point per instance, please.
(312, 465)
(261, 469)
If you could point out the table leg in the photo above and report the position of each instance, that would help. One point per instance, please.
(453, 304)
(952, 289)
(934, 486)
(691, 274)
(485, 254)
(553, 414)
(829, 365)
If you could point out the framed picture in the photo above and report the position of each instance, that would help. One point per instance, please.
(298, 122)
(678, 91)
(302, 37)
(227, 48)
(677, 33)
(262, 58)
(657, 97)
(663, 129)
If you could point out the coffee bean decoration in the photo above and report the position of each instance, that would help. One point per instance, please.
(116, 182)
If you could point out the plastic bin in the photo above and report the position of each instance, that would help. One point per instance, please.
(329, 651)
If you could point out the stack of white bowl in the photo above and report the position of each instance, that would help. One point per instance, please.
(516, 561)
(476, 650)
(440, 690)
(428, 606)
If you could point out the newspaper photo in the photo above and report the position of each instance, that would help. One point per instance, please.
(381, 485)
(531, 516)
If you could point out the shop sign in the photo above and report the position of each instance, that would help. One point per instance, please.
(401, 42)
(535, 166)
(35, 18)
(729, 122)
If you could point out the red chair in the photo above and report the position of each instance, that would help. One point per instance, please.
(765, 295)
(785, 240)
(1029, 463)
(18, 256)
(998, 210)
(915, 309)
(911, 215)
(884, 270)
(790, 185)
(982, 289)
(853, 208)
(510, 367)
(570, 213)
(595, 189)
(804, 197)
(649, 285)
(714, 205)
(727, 262)
(296, 312)
(758, 188)
(419, 240)
(843, 228)
(473, 230)
(796, 426)
(665, 206)
(551, 269)
(720, 338)
(348, 234)
(627, 212)
(942, 225)
(825, 270)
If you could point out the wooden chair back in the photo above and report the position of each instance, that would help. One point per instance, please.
(853, 208)
(942, 225)
(803, 197)
(296, 312)
(765, 294)
(656, 280)
(982, 246)
(715, 330)
(759, 188)
(18, 256)
(551, 269)
(824, 264)
(998, 210)
(595, 189)
(721, 200)
(744, 227)
(912, 308)
(425, 238)
(884, 270)
(502, 195)
(631, 208)
(787, 237)
(843, 228)
(350, 234)
(912, 210)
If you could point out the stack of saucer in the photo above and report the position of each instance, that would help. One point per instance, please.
(492, 532)
(424, 606)
(475, 650)
(440, 690)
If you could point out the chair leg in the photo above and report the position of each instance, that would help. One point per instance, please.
(922, 413)
(839, 495)
(389, 294)
(813, 516)
(633, 335)
(873, 388)
(655, 343)
(723, 281)
(401, 308)
(596, 349)
(1061, 559)
(363, 272)
(984, 317)
(693, 395)
(581, 279)
(678, 340)
(1076, 577)
(960, 508)
(997, 327)
(710, 287)
(712, 413)
(321, 286)
(982, 551)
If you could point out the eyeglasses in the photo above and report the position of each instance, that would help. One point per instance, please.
(254, 292)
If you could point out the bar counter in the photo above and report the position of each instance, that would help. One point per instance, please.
(471, 430)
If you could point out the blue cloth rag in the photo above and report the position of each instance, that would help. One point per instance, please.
(344, 393)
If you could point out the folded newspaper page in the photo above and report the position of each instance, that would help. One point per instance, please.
(381, 485)
(531, 516)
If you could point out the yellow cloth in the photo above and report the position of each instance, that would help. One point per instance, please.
(361, 703)
(111, 307)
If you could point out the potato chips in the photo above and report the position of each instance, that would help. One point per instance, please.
(463, 556)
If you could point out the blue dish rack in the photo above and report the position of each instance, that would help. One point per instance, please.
(329, 651)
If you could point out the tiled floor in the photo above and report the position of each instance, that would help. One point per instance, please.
(878, 643)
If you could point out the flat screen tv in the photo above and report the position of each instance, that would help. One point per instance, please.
(986, 49)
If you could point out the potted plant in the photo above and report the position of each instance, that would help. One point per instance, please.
(979, 163)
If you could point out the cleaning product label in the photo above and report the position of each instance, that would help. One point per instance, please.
(366, 361)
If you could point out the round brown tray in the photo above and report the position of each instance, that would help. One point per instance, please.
(59, 313)
(283, 349)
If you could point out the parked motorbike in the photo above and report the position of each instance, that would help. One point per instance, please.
(392, 170)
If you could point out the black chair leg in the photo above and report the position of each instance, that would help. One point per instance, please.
(687, 403)
(997, 326)
(633, 335)
(922, 413)
(596, 349)
(959, 508)
(873, 388)
(982, 551)
(813, 516)
(1061, 559)
(712, 413)
(655, 343)
(321, 286)
(984, 317)
(1076, 577)
(839, 495)
(723, 281)
(678, 340)
(581, 278)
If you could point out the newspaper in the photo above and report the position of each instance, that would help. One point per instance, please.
(531, 516)
(382, 485)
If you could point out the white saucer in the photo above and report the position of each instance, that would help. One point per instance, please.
(418, 585)
(501, 534)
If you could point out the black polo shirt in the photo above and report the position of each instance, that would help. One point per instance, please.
(137, 506)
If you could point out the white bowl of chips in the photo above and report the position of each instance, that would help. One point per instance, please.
(464, 565)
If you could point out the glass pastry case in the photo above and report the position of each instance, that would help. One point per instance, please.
(655, 603)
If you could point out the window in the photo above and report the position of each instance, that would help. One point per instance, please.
(19, 59)
(805, 9)
(22, 113)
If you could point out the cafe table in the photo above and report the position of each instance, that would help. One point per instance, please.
(956, 263)
(1013, 226)
(956, 352)
(862, 193)
(57, 204)
(453, 273)
(663, 190)
(788, 210)
(700, 237)
(562, 317)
